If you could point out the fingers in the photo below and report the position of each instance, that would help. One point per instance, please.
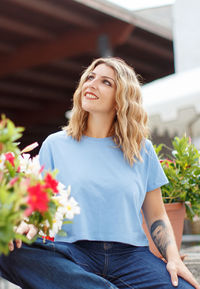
(28, 229)
(23, 229)
(173, 273)
(183, 272)
(18, 243)
(11, 246)
(190, 278)
(32, 232)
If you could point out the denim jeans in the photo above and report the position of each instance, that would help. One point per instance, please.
(85, 265)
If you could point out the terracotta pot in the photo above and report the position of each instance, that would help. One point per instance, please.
(176, 214)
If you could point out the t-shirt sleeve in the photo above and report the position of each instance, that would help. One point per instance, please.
(46, 156)
(156, 175)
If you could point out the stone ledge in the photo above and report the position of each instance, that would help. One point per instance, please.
(192, 259)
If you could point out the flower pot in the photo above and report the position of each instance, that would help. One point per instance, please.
(191, 227)
(176, 214)
(195, 224)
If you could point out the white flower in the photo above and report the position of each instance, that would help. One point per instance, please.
(61, 188)
(57, 224)
(30, 166)
(69, 208)
(35, 167)
(2, 161)
(24, 162)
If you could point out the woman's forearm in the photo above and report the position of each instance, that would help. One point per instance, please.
(163, 237)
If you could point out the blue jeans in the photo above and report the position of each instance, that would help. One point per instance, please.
(85, 265)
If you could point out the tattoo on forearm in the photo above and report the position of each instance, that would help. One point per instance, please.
(160, 236)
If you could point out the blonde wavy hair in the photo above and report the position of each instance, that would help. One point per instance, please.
(129, 129)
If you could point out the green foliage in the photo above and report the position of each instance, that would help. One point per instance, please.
(183, 173)
(9, 133)
(13, 188)
(26, 195)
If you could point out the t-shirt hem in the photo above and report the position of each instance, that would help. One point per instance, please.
(110, 239)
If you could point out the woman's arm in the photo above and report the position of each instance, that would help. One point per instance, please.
(162, 234)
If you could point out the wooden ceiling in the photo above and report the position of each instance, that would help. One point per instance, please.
(46, 44)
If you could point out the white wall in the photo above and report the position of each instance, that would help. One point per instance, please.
(186, 30)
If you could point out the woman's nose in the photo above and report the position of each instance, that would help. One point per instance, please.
(93, 83)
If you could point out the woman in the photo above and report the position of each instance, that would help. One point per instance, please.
(114, 172)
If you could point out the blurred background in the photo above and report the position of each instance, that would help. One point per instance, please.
(46, 44)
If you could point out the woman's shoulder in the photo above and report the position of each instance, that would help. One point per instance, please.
(147, 144)
(147, 149)
(56, 137)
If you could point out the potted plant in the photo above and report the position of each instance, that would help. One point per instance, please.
(182, 193)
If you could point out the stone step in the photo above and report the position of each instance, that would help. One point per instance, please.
(192, 259)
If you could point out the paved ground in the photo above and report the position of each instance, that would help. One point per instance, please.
(192, 259)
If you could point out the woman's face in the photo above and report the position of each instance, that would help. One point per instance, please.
(98, 92)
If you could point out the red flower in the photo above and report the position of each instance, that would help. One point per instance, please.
(49, 238)
(10, 158)
(166, 162)
(51, 183)
(37, 199)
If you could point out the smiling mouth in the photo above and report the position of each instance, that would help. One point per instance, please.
(90, 95)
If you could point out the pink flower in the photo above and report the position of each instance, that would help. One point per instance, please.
(10, 158)
(13, 181)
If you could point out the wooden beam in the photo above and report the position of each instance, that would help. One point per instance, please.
(47, 113)
(24, 29)
(11, 102)
(6, 48)
(33, 92)
(153, 47)
(66, 65)
(137, 64)
(56, 11)
(71, 44)
(44, 78)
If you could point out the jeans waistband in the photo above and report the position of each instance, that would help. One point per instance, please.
(104, 246)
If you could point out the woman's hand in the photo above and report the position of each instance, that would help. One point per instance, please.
(24, 229)
(177, 268)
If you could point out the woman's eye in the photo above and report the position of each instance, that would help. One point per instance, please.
(90, 77)
(107, 82)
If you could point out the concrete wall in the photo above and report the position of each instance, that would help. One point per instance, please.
(7, 285)
(186, 24)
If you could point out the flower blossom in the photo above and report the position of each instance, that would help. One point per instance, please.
(10, 157)
(68, 206)
(2, 161)
(51, 183)
(30, 166)
(30, 147)
(37, 199)
(13, 181)
(57, 224)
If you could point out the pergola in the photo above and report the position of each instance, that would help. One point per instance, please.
(44, 46)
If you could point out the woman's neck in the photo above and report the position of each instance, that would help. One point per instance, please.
(98, 127)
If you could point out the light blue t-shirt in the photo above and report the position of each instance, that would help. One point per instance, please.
(109, 191)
